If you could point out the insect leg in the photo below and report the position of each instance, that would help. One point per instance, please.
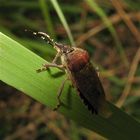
(56, 57)
(53, 64)
(46, 66)
(59, 94)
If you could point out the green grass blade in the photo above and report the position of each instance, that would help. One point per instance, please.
(18, 68)
(45, 11)
(110, 27)
(63, 20)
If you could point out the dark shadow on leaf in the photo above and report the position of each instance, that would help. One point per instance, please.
(56, 74)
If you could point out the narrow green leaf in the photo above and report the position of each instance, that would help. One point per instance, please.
(18, 68)
(110, 27)
(45, 11)
(63, 20)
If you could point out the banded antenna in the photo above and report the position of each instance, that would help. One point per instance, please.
(44, 36)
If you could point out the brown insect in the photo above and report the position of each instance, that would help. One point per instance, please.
(76, 63)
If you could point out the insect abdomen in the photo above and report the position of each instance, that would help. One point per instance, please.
(89, 87)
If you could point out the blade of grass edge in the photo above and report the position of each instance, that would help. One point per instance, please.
(111, 29)
(63, 20)
(17, 68)
(45, 12)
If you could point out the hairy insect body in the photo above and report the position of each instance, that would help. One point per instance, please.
(76, 63)
(84, 79)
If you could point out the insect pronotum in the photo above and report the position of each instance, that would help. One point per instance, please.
(76, 63)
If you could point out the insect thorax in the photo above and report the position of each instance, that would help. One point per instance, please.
(75, 60)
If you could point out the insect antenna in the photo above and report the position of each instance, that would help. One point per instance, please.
(50, 41)
(44, 36)
(47, 37)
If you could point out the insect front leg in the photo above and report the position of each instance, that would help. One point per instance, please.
(46, 66)
(53, 64)
(59, 93)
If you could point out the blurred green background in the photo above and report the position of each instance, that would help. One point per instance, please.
(108, 30)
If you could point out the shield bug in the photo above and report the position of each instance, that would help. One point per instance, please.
(76, 63)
